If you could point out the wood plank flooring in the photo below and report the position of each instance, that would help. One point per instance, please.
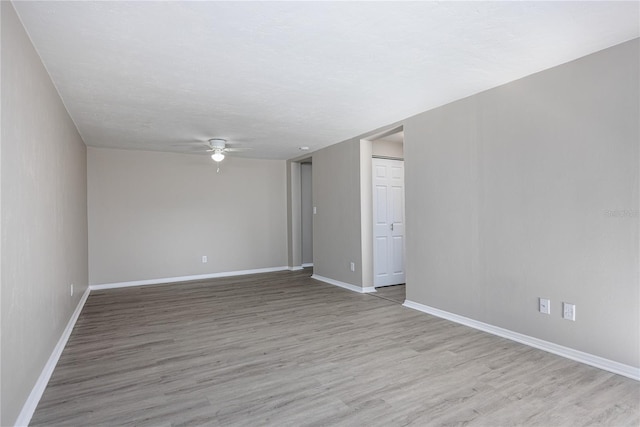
(395, 293)
(281, 349)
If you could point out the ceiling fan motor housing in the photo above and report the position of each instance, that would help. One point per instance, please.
(217, 143)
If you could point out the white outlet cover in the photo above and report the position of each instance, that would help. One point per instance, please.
(544, 305)
(568, 311)
(204, 258)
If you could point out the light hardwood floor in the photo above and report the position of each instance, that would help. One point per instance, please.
(282, 349)
(395, 293)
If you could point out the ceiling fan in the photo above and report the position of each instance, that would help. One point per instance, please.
(218, 147)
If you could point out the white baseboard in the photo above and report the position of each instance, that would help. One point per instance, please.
(185, 278)
(307, 264)
(295, 268)
(31, 403)
(570, 353)
(344, 285)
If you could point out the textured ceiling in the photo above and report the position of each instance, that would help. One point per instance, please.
(278, 75)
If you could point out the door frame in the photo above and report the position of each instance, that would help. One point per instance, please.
(366, 201)
(294, 213)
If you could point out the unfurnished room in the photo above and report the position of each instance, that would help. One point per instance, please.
(320, 213)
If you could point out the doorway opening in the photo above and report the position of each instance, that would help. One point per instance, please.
(388, 216)
(306, 213)
(300, 213)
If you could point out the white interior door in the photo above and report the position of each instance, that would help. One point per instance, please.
(388, 222)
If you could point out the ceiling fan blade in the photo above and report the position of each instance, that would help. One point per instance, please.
(230, 149)
(190, 148)
(182, 144)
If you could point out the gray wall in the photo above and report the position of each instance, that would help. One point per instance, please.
(336, 225)
(531, 190)
(44, 216)
(306, 202)
(154, 215)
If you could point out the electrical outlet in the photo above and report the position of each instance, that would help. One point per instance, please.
(568, 311)
(72, 289)
(352, 265)
(204, 259)
(315, 210)
(544, 305)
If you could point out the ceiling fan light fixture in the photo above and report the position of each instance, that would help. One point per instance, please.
(217, 156)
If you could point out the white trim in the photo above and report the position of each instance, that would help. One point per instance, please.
(185, 278)
(570, 353)
(31, 403)
(354, 288)
(307, 264)
(295, 268)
